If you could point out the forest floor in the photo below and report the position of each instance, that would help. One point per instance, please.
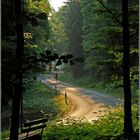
(84, 103)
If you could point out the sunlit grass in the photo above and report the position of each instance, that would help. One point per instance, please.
(61, 105)
(109, 127)
(40, 101)
(39, 98)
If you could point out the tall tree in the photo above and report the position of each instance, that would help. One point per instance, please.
(58, 39)
(37, 24)
(116, 44)
(74, 32)
(102, 39)
(8, 52)
(128, 128)
(18, 87)
(18, 15)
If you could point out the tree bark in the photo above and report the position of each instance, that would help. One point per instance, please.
(128, 128)
(18, 87)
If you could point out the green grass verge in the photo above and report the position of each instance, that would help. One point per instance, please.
(39, 98)
(40, 101)
(113, 89)
(87, 82)
(109, 127)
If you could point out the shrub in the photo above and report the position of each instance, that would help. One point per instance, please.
(109, 127)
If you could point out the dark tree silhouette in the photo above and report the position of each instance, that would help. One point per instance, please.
(19, 54)
(128, 128)
(47, 57)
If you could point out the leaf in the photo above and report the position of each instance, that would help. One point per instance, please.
(79, 59)
(69, 56)
(28, 18)
(51, 57)
(32, 14)
(56, 55)
(34, 21)
(43, 55)
(72, 62)
(48, 52)
(42, 60)
(47, 61)
(42, 16)
(62, 57)
(65, 60)
(58, 63)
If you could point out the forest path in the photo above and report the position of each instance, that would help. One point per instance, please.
(84, 103)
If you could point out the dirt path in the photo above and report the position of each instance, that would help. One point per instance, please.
(85, 103)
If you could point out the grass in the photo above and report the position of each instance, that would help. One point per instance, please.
(61, 105)
(110, 127)
(88, 82)
(39, 98)
(40, 101)
(113, 89)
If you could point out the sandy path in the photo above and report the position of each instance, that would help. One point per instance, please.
(81, 101)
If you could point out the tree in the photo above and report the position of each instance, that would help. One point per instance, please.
(73, 28)
(18, 85)
(66, 35)
(102, 39)
(17, 13)
(13, 32)
(128, 128)
(36, 24)
(8, 48)
(115, 37)
(58, 38)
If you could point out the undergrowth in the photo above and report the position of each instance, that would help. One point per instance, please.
(111, 88)
(39, 98)
(109, 127)
(39, 101)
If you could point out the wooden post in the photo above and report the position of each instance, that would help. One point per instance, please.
(66, 98)
(56, 84)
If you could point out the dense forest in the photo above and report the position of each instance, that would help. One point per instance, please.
(94, 32)
(84, 37)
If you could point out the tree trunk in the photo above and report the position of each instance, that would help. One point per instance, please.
(128, 128)
(18, 87)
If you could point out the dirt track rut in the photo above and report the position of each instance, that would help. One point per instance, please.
(85, 103)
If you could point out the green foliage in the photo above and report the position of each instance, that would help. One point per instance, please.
(35, 5)
(114, 88)
(5, 134)
(36, 28)
(108, 127)
(58, 37)
(74, 32)
(39, 99)
(102, 38)
(67, 34)
(83, 28)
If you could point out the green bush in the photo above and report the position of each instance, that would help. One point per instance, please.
(113, 88)
(5, 134)
(39, 98)
(109, 127)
